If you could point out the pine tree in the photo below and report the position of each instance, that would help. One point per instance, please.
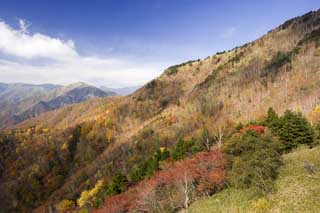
(295, 129)
(272, 120)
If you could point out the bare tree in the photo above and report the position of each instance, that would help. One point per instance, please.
(219, 134)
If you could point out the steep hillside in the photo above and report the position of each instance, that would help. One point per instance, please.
(20, 102)
(86, 142)
(70, 115)
(296, 190)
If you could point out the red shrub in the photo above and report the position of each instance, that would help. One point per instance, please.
(257, 129)
(174, 186)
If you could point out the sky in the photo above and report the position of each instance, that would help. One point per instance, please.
(119, 43)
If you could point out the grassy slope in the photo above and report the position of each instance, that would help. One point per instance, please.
(295, 190)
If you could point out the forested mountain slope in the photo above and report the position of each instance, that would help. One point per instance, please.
(19, 102)
(78, 145)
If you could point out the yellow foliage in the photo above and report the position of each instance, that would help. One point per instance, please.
(162, 149)
(66, 205)
(84, 198)
(87, 195)
(297, 109)
(317, 109)
(64, 146)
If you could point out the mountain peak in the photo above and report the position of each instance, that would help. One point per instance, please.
(78, 84)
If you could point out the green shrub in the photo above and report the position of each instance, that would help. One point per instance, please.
(151, 85)
(279, 60)
(149, 166)
(174, 69)
(181, 149)
(314, 36)
(254, 160)
(118, 184)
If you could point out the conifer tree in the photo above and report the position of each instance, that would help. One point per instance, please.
(272, 120)
(295, 129)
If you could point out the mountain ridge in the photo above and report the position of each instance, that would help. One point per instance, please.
(279, 70)
(33, 100)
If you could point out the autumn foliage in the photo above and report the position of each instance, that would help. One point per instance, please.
(174, 187)
(255, 128)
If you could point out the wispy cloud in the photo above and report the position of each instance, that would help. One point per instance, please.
(24, 25)
(62, 63)
(230, 32)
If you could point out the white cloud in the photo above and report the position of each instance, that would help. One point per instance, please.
(20, 43)
(65, 64)
(229, 32)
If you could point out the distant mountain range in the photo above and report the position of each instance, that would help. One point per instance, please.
(19, 102)
(121, 91)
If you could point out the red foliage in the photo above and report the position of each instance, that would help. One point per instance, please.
(207, 169)
(211, 171)
(117, 203)
(256, 128)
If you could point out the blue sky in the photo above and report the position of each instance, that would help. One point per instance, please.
(126, 42)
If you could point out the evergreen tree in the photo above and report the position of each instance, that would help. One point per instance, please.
(181, 149)
(272, 120)
(295, 129)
